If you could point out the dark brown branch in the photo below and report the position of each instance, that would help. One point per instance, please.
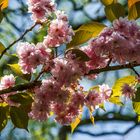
(135, 71)
(20, 38)
(113, 68)
(96, 71)
(21, 87)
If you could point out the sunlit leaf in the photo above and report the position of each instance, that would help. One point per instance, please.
(75, 123)
(108, 2)
(19, 117)
(17, 70)
(117, 88)
(134, 11)
(80, 55)
(1, 16)
(85, 33)
(91, 115)
(96, 88)
(116, 100)
(136, 103)
(4, 4)
(2, 48)
(114, 11)
(132, 2)
(139, 118)
(101, 106)
(3, 116)
(51, 113)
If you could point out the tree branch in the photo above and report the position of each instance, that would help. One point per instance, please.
(20, 38)
(20, 87)
(116, 117)
(113, 68)
(108, 133)
(96, 71)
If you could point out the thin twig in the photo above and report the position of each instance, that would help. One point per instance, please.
(20, 38)
(113, 68)
(135, 71)
(39, 75)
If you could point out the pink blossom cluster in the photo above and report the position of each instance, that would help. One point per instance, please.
(121, 43)
(41, 9)
(98, 95)
(6, 82)
(30, 56)
(62, 94)
(58, 92)
(96, 60)
(60, 31)
(128, 91)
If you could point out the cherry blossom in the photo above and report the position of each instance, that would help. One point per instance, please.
(128, 91)
(41, 9)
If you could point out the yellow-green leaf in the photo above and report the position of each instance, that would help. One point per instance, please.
(138, 118)
(134, 11)
(91, 115)
(4, 4)
(117, 88)
(75, 123)
(86, 32)
(108, 2)
(17, 70)
(91, 118)
(116, 100)
(101, 106)
(2, 48)
(96, 88)
(114, 11)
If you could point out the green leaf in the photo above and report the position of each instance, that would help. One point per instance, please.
(116, 100)
(17, 70)
(3, 116)
(117, 88)
(134, 11)
(136, 103)
(19, 117)
(108, 2)
(96, 88)
(21, 98)
(1, 16)
(91, 115)
(2, 48)
(114, 11)
(86, 32)
(101, 106)
(80, 55)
